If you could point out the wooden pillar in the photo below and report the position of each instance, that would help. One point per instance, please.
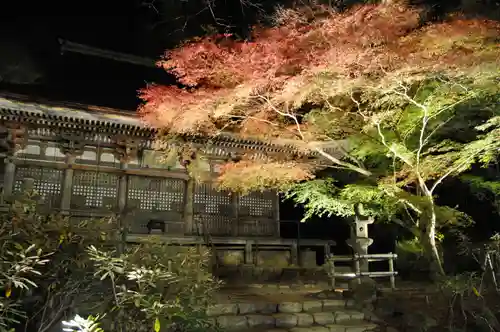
(122, 187)
(391, 269)
(235, 198)
(294, 253)
(67, 183)
(189, 206)
(9, 177)
(249, 252)
(327, 248)
(71, 145)
(122, 206)
(277, 214)
(17, 138)
(125, 150)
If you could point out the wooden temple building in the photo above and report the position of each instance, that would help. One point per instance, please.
(89, 162)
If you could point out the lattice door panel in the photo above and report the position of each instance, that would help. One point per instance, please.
(257, 204)
(210, 201)
(156, 194)
(94, 190)
(215, 224)
(214, 208)
(47, 183)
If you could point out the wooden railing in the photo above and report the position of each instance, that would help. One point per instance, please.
(357, 273)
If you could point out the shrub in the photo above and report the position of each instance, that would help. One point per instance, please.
(53, 269)
(157, 287)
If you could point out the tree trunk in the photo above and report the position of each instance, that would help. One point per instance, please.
(428, 240)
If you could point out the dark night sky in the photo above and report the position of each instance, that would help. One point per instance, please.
(140, 27)
(114, 25)
(29, 36)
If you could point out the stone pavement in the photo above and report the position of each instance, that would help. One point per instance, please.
(329, 315)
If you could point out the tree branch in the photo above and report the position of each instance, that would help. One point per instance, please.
(317, 149)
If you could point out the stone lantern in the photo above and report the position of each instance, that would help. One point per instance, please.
(359, 240)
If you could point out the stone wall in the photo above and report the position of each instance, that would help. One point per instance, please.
(231, 258)
(269, 266)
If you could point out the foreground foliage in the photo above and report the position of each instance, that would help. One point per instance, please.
(52, 269)
(399, 103)
(45, 271)
(156, 287)
(467, 301)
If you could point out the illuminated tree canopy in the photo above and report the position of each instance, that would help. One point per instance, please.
(375, 91)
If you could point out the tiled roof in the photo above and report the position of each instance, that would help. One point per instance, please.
(62, 114)
(92, 118)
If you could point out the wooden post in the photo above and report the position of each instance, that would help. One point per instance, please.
(294, 253)
(70, 145)
(122, 225)
(17, 138)
(331, 264)
(67, 183)
(125, 150)
(327, 249)
(236, 211)
(391, 269)
(122, 187)
(276, 203)
(249, 252)
(9, 178)
(189, 206)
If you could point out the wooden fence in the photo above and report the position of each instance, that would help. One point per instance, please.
(357, 273)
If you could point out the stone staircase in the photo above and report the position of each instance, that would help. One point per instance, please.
(329, 315)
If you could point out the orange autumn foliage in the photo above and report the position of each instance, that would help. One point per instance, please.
(264, 88)
(256, 175)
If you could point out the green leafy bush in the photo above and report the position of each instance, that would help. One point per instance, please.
(411, 256)
(53, 269)
(157, 287)
(44, 267)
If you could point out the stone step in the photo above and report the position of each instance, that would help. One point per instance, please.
(289, 320)
(352, 326)
(317, 314)
(348, 326)
(267, 307)
(318, 285)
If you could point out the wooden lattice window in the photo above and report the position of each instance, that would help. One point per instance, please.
(214, 210)
(257, 204)
(47, 183)
(94, 190)
(156, 194)
(210, 201)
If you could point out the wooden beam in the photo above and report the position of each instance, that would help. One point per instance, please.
(218, 240)
(150, 172)
(68, 46)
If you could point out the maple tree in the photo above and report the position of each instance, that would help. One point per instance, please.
(371, 90)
